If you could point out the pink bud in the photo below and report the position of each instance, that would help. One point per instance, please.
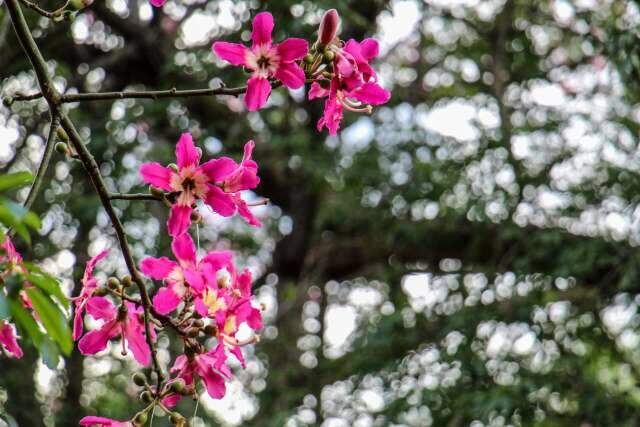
(328, 26)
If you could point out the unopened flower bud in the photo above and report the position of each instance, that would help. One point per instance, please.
(62, 134)
(113, 283)
(81, 4)
(308, 58)
(146, 397)
(100, 292)
(329, 56)
(329, 26)
(7, 101)
(173, 167)
(61, 148)
(178, 386)
(139, 379)
(199, 323)
(178, 420)
(69, 15)
(196, 217)
(127, 281)
(140, 419)
(193, 332)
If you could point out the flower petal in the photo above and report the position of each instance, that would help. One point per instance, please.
(157, 268)
(186, 153)
(244, 211)
(292, 49)
(9, 340)
(101, 308)
(214, 384)
(258, 90)
(179, 220)
(219, 201)
(78, 323)
(97, 339)
(262, 29)
(165, 301)
(369, 49)
(291, 75)
(371, 93)
(234, 53)
(218, 169)
(157, 175)
(317, 91)
(184, 249)
(194, 279)
(137, 343)
(218, 259)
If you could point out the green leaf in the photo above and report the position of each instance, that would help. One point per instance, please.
(15, 180)
(52, 319)
(49, 285)
(4, 307)
(26, 323)
(11, 221)
(50, 353)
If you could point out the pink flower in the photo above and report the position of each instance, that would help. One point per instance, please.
(228, 301)
(354, 85)
(329, 26)
(193, 181)
(9, 340)
(92, 421)
(123, 321)
(185, 277)
(11, 257)
(157, 3)
(205, 366)
(265, 60)
(238, 177)
(89, 285)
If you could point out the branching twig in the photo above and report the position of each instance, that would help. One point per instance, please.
(54, 101)
(51, 15)
(135, 94)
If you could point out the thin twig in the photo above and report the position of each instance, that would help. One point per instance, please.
(133, 196)
(44, 163)
(51, 15)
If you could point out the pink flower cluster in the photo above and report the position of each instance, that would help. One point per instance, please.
(11, 262)
(212, 288)
(339, 72)
(217, 182)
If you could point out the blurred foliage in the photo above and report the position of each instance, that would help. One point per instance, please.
(479, 232)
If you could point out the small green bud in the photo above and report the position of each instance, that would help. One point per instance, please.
(139, 379)
(7, 101)
(146, 397)
(113, 283)
(173, 167)
(81, 4)
(69, 15)
(61, 148)
(62, 134)
(308, 58)
(329, 56)
(100, 292)
(140, 419)
(178, 386)
(127, 281)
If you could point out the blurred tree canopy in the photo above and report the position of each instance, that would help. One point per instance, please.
(464, 256)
